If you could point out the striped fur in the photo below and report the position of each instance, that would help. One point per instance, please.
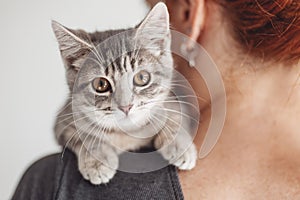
(90, 123)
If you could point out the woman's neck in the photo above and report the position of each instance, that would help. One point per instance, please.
(270, 94)
(259, 147)
(261, 99)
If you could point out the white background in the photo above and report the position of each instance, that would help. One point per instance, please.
(32, 83)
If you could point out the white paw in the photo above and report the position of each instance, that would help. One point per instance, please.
(181, 158)
(95, 171)
(187, 160)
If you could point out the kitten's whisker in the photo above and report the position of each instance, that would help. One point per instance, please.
(177, 81)
(185, 80)
(83, 142)
(159, 130)
(91, 140)
(66, 126)
(65, 107)
(78, 112)
(175, 101)
(183, 114)
(185, 96)
(151, 120)
(71, 116)
(66, 145)
(171, 132)
(161, 127)
(181, 86)
(99, 128)
(95, 138)
(177, 112)
(63, 120)
(102, 135)
(88, 150)
(77, 132)
(72, 113)
(172, 120)
(154, 125)
(191, 96)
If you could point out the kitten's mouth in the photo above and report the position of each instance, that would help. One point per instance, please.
(142, 128)
(132, 120)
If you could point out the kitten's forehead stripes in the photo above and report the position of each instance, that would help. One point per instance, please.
(126, 63)
(133, 64)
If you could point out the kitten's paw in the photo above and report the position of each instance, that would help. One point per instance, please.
(188, 159)
(176, 155)
(96, 172)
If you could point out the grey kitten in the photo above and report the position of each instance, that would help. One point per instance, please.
(127, 95)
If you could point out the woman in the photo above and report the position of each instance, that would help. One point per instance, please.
(256, 46)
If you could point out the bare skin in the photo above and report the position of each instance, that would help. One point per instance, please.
(257, 156)
(258, 153)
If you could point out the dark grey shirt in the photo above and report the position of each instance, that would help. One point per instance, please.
(57, 178)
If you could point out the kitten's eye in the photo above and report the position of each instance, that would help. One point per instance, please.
(101, 85)
(142, 78)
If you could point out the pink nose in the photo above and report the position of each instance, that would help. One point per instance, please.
(126, 109)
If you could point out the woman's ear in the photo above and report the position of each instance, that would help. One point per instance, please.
(187, 16)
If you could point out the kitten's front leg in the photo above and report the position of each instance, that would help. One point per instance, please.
(98, 165)
(178, 149)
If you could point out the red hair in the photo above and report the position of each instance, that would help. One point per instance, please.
(269, 29)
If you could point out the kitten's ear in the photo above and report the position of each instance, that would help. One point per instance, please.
(72, 44)
(155, 30)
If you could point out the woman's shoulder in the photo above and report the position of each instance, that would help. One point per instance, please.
(57, 177)
(41, 178)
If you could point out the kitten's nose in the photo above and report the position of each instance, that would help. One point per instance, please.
(126, 109)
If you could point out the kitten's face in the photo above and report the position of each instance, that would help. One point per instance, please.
(123, 85)
(125, 92)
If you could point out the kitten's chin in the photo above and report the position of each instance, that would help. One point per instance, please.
(141, 123)
(142, 129)
(131, 122)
